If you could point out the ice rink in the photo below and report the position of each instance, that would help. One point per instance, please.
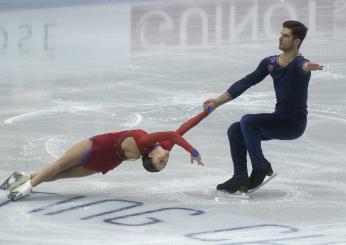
(73, 69)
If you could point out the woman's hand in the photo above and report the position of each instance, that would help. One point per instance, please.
(195, 156)
(198, 160)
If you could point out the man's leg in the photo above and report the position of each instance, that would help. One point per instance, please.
(252, 128)
(240, 179)
(258, 127)
(238, 151)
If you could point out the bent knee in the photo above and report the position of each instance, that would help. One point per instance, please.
(247, 119)
(292, 133)
(234, 129)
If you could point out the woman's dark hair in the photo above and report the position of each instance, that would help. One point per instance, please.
(297, 28)
(148, 164)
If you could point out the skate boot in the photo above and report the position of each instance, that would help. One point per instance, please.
(258, 175)
(15, 179)
(21, 191)
(233, 185)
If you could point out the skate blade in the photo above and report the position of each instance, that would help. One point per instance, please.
(7, 183)
(266, 180)
(4, 186)
(237, 195)
(15, 180)
(14, 196)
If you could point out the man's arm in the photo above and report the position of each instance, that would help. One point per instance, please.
(312, 66)
(240, 86)
(214, 103)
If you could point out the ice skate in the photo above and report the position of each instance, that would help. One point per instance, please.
(234, 185)
(21, 191)
(15, 179)
(257, 177)
(266, 180)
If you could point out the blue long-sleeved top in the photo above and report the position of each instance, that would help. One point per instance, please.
(290, 83)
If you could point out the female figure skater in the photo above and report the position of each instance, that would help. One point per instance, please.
(104, 152)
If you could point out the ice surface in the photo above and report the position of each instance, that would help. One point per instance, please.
(70, 71)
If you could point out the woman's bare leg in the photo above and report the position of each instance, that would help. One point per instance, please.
(71, 158)
(73, 172)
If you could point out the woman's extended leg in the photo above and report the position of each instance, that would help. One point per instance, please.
(66, 166)
(72, 172)
(70, 159)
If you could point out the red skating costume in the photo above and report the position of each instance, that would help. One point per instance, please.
(106, 153)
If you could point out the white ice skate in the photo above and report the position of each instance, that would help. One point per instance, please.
(15, 179)
(21, 191)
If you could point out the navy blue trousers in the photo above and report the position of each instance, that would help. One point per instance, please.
(246, 136)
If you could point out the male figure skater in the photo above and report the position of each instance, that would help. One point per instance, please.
(291, 74)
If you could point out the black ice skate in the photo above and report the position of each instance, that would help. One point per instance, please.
(234, 185)
(257, 176)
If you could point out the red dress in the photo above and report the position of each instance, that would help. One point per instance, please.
(106, 153)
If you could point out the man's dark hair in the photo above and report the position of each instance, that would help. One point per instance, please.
(297, 28)
(148, 164)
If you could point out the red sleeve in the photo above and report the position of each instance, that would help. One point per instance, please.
(186, 126)
(150, 139)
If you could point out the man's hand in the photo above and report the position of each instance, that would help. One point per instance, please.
(211, 103)
(312, 66)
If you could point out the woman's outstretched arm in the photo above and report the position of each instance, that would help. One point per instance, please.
(186, 126)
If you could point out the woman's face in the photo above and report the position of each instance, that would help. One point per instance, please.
(159, 157)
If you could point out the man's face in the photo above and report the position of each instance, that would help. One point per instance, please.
(287, 41)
